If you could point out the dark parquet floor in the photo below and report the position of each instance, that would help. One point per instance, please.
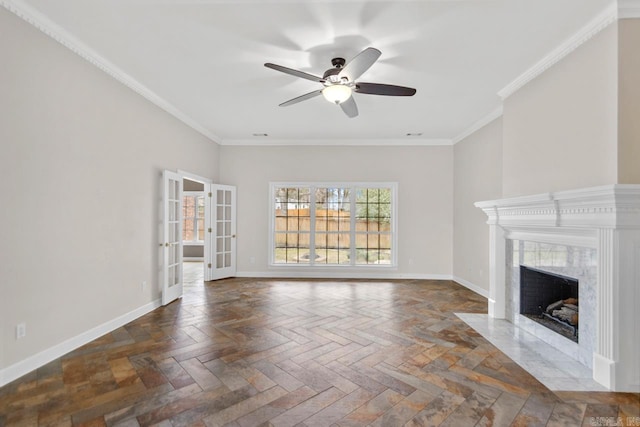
(252, 352)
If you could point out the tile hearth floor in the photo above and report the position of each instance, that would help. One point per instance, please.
(554, 369)
(270, 352)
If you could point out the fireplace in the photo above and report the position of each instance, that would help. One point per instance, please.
(598, 227)
(550, 300)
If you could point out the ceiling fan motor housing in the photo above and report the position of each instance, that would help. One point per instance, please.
(337, 63)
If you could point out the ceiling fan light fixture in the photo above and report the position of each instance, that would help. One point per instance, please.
(336, 93)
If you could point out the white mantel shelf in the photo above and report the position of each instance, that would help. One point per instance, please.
(606, 218)
(611, 206)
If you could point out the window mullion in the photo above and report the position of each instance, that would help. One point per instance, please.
(312, 225)
(352, 227)
(196, 236)
(273, 235)
(195, 229)
(195, 218)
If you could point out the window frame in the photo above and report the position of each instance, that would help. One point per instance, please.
(352, 186)
(194, 242)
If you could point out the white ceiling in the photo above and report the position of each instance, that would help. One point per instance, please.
(203, 60)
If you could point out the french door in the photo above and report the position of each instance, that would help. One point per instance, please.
(172, 237)
(220, 255)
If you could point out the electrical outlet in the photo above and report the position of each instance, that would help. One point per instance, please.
(252, 260)
(21, 330)
(143, 286)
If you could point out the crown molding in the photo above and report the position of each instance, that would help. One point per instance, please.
(478, 125)
(395, 142)
(628, 9)
(593, 27)
(66, 39)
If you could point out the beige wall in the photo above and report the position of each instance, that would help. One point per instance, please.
(477, 176)
(424, 176)
(560, 130)
(629, 101)
(193, 251)
(82, 157)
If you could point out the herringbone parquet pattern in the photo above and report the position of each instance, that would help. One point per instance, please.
(250, 352)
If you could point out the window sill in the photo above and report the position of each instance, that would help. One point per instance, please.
(337, 266)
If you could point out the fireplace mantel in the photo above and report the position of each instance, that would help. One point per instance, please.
(611, 206)
(606, 218)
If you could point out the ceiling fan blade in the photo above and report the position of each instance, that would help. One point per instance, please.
(361, 63)
(349, 107)
(301, 98)
(382, 89)
(293, 72)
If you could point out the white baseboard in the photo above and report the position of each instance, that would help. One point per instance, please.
(193, 259)
(604, 371)
(473, 287)
(362, 275)
(612, 375)
(38, 360)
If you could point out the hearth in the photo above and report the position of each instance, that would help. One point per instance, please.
(551, 300)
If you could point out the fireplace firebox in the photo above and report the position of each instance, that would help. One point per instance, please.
(551, 300)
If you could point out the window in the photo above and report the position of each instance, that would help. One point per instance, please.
(333, 224)
(193, 217)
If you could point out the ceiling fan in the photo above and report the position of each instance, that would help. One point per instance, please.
(340, 82)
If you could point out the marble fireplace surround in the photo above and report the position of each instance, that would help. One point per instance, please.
(605, 220)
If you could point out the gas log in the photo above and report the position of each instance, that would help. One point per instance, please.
(565, 310)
